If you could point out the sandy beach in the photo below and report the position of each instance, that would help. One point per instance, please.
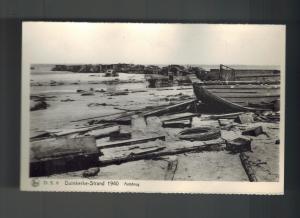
(67, 108)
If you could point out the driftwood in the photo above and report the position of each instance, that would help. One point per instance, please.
(130, 142)
(247, 166)
(153, 155)
(123, 119)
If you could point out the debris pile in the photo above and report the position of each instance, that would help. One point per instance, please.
(152, 133)
(39, 102)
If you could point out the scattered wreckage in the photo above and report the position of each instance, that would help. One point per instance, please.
(82, 148)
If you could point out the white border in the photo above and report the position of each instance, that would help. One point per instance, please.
(191, 187)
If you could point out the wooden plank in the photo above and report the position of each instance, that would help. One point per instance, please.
(130, 142)
(100, 133)
(247, 166)
(180, 116)
(177, 123)
(64, 132)
(225, 116)
(104, 116)
(120, 152)
(115, 152)
(173, 108)
(174, 151)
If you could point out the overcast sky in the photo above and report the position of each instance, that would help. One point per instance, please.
(71, 43)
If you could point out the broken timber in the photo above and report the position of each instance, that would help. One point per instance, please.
(153, 155)
(170, 109)
(59, 133)
(248, 169)
(177, 123)
(120, 136)
(181, 116)
(225, 116)
(100, 133)
(130, 142)
(119, 152)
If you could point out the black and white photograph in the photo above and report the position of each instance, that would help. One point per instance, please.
(153, 107)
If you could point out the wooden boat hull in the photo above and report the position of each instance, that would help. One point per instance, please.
(234, 96)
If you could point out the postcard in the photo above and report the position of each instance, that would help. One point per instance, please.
(153, 108)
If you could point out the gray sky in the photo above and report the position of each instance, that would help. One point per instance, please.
(66, 42)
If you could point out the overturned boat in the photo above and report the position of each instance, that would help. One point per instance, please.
(238, 90)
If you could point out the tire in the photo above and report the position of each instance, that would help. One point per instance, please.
(200, 134)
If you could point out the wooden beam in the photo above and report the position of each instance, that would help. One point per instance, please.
(79, 130)
(225, 116)
(247, 166)
(173, 108)
(177, 123)
(130, 142)
(181, 116)
(100, 133)
(197, 148)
